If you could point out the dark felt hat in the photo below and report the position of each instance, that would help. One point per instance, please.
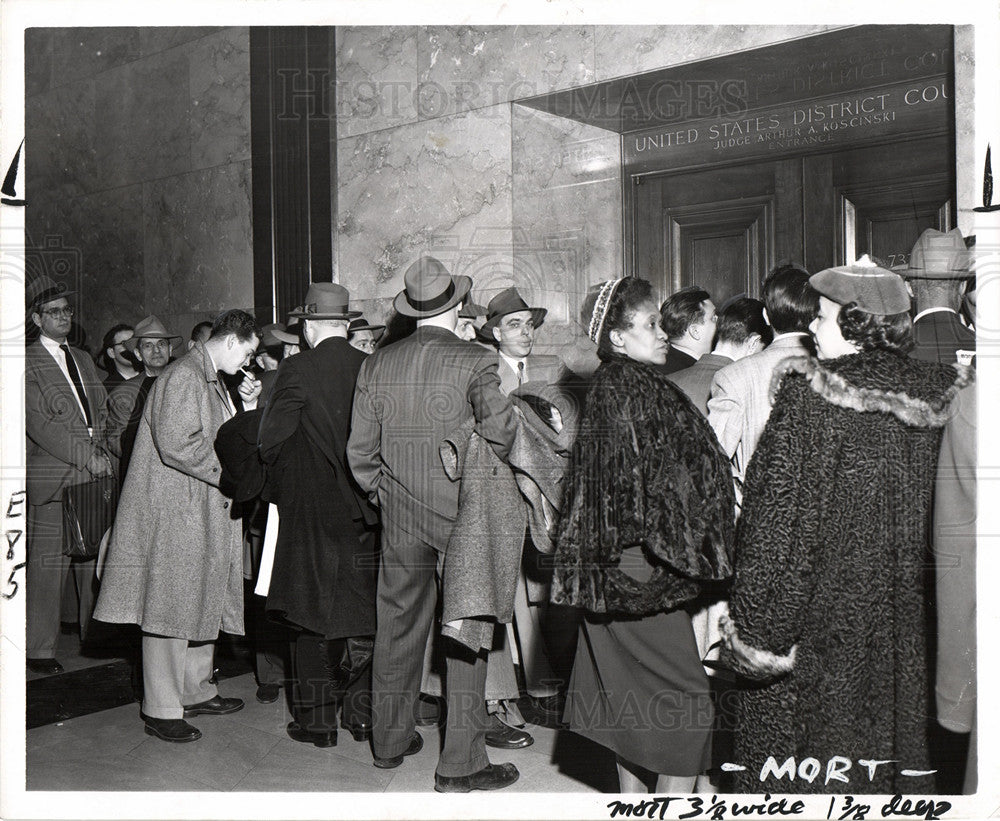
(508, 302)
(326, 300)
(43, 289)
(429, 290)
(361, 324)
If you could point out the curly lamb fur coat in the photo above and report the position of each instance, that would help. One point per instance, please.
(646, 469)
(828, 600)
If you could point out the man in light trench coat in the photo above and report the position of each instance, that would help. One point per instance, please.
(175, 560)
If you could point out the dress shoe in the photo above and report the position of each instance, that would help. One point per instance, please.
(360, 730)
(416, 745)
(215, 706)
(176, 730)
(47, 667)
(268, 693)
(297, 732)
(491, 777)
(553, 705)
(504, 737)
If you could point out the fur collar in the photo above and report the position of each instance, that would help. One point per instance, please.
(837, 382)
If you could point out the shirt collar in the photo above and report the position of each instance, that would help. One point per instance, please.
(510, 360)
(50, 344)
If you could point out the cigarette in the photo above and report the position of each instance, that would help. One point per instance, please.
(248, 374)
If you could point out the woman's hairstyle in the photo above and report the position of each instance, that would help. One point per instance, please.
(890, 332)
(629, 294)
(791, 301)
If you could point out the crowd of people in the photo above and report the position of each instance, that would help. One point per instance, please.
(723, 544)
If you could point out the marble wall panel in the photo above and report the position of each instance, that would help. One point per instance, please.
(38, 43)
(442, 187)
(376, 78)
(567, 221)
(61, 157)
(624, 50)
(86, 52)
(159, 38)
(468, 67)
(219, 77)
(197, 242)
(968, 172)
(143, 119)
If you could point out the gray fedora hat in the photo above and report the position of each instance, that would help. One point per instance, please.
(429, 290)
(326, 300)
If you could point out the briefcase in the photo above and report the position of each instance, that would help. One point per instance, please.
(88, 511)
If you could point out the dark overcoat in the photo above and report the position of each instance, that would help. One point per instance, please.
(175, 561)
(831, 560)
(325, 564)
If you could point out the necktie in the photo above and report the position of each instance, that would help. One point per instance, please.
(520, 374)
(74, 376)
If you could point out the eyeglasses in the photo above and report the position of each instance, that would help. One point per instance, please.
(67, 312)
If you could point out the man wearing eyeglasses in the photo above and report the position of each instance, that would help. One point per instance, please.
(65, 417)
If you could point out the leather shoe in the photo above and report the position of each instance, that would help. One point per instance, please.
(507, 738)
(491, 777)
(47, 667)
(215, 706)
(428, 711)
(268, 693)
(553, 705)
(416, 745)
(360, 731)
(176, 730)
(297, 732)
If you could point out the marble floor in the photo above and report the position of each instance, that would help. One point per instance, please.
(249, 751)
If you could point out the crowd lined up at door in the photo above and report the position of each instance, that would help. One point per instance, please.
(710, 549)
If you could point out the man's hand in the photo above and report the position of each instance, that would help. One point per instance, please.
(249, 390)
(99, 464)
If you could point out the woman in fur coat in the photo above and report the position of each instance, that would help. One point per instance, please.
(828, 613)
(648, 513)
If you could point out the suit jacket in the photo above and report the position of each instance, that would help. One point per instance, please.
(741, 399)
(544, 368)
(677, 360)
(58, 444)
(939, 336)
(696, 381)
(323, 577)
(410, 396)
(125, 404)
(175, 561)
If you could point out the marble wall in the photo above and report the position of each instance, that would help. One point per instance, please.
(432, 157)
(137, 157)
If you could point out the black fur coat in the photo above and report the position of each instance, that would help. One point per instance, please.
(646, 469)
(828, 605)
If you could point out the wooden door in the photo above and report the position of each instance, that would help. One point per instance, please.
(725, 227)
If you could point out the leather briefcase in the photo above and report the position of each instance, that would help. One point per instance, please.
(88, 511)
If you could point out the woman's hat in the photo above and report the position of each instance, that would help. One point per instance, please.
(938, 255)
(149, 328)
(361, 324)
(429, 290)
(508, 302)
(325, 300)
(876, 290)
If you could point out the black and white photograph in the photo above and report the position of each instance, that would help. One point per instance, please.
(569, 408)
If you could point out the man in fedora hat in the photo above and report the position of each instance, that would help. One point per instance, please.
(65, 417)
(936, 275)
(151, 345)
(323, 577)
(174, 563)
(410, 396)
(470, 319)
(511, 326)
(364, 336)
